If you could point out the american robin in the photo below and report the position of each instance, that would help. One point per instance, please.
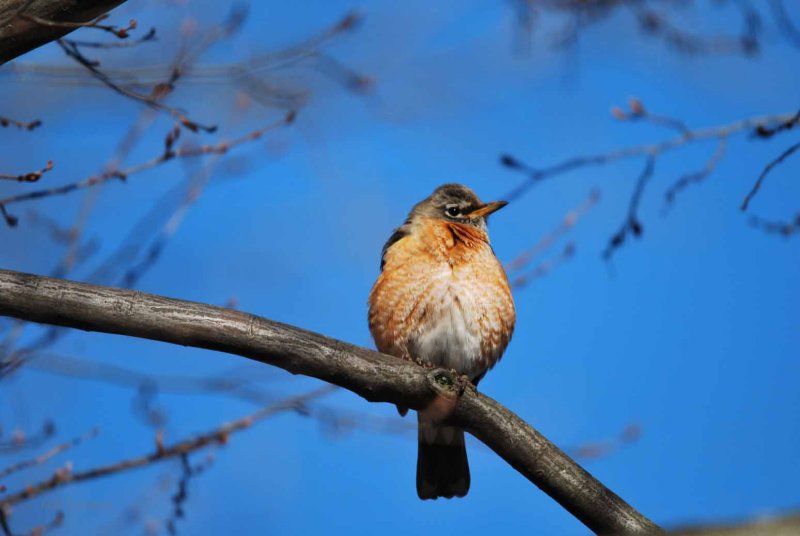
(442, 297)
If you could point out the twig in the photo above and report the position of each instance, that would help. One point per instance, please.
(769, 167)
(128, 43)
(535, 175)
(544, 267)
(38, 530)
(601, 449)
(150, 75)
(123, 174)
(567, 223)
(44, 457)
(31, 176)
(783, 228)
(120, 32)
(334, 421)
(653, 23)
(766, 132)
(153, 100)
(632, 224)
(697, 176)
(785, 24)
(188, 471)
(5, 122)
(20, 441)
(218, 436)
(637, 112)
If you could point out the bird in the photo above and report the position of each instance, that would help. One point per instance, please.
(442, 298)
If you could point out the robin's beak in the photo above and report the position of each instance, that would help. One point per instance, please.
(485, 210)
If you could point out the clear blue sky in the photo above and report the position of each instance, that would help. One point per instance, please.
(692, 332)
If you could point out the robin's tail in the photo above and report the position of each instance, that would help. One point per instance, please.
(442, 467)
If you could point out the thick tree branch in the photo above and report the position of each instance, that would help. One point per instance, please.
(374, 376)
(22, 30)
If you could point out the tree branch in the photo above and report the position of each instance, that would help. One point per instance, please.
(374, 376)
(20, 32)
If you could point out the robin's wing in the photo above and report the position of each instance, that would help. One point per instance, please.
(398, 234)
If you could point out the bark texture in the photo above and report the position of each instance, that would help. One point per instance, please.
(19, 34)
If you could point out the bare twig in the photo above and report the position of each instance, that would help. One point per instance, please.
(188, 472)
(535, 175)
(601, 449)
(218, 436)
(120, 32)
(31, 176)
(38, 530)
(239, 72)
(153, 100)
(170, 154)
(637, 112)
(783, 228)
(766, 132)
(632, 225)
(44, 457)
(128, 43)
(570, 220)
(31, 125)
(767, 169)
(20, 440)
(698, 176)
(374, 376)
(656, 24)
(785, 24)
(545, 267)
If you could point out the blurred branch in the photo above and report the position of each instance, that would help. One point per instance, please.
(154, 100)
(601, 449)
(697, 176)
(44, 457)
(20, 32)
(535, 175)
(374, 376)
(219, 436)
(122, 174)
(767, 169)
(760, 127)
(784, 228)
(308, 49)
(632, 225)
(31, 176)
(770, 525)
(5, 122)
(570, 220)
(120, 32)
(656, 24)
(653, 22)
(784, 22)
(545, 267)
(20, 440)
(128, 43)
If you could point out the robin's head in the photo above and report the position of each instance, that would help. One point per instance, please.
(456, 203)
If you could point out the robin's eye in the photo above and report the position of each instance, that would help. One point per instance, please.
(453, 211)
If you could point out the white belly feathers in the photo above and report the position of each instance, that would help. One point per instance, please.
(450, 335)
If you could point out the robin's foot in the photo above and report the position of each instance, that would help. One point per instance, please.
(423, 363)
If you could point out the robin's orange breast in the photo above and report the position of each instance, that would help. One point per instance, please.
(443, 297)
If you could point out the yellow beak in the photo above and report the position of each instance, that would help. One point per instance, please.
(485, 210)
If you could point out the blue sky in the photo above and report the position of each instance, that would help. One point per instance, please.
(691, 332)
